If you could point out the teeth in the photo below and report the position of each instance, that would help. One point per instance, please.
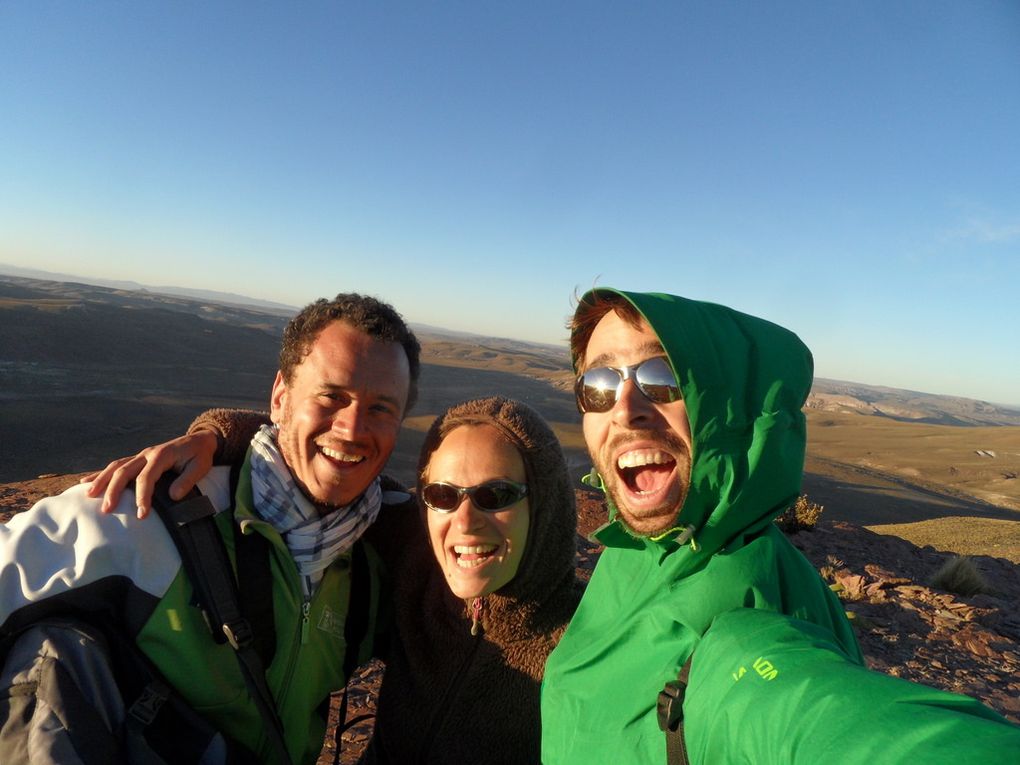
(643, 457)
(473, 549)
(341, 456)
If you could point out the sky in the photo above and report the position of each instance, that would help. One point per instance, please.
(850, 170)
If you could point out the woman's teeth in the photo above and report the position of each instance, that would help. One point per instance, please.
(470, 556)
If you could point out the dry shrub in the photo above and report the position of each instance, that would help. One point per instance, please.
(802, 514)
(960, 576)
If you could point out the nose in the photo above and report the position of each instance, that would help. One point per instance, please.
(349, 421)
(632, 408)
(467, 517)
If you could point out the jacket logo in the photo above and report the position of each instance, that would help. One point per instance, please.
(765, 669)
(331, 622)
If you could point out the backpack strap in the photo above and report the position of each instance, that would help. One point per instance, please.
(355, 630)
(191, 524)
(670, 710)
(254, 580)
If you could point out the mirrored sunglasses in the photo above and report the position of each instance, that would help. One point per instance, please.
(488, 497)
(597, 390)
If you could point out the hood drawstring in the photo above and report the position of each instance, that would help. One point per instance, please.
(686, 535)
(476, 615)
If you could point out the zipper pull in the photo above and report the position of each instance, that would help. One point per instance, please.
(306, 610)
(476, 616)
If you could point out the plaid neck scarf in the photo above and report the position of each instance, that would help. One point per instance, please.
(314, 541)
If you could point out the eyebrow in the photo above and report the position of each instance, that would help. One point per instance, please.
(606, 359)
(394, 400)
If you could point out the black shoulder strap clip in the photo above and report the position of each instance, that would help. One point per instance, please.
(670, 709)
(192, 527)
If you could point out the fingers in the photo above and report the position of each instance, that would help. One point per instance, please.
(191, 473)
(158, 460)
(119, 476)
(191, 456)
(98, 482)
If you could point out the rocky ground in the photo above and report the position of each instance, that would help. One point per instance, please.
(967, 645)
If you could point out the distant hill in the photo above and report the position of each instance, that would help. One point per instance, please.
(129, 286)
(907, 405)
(89, 373)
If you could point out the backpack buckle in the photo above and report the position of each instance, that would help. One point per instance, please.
(239, 634)
(147, 706)
(670, 706)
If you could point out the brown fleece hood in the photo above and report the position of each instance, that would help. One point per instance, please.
(549, 553)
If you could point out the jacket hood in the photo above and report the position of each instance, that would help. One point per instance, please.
(548, 561)
(744, 382)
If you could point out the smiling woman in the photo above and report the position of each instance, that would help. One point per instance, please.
(473, 632)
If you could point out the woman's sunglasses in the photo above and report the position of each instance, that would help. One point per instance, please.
(488, 497)
(597, 390)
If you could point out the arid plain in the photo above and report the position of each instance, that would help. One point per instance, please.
(88, 374)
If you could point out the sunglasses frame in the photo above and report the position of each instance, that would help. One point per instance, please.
(625, 373)
(469, 491)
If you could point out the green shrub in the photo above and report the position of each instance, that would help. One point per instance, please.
(960, 576)
(802, 514)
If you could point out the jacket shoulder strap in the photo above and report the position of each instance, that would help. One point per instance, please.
(670, 710)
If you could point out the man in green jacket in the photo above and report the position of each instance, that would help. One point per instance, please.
(692, 416)
(310, 486)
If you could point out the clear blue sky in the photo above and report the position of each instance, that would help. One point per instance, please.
(848, 169)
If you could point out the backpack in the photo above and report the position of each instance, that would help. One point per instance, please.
(74, 688)
(73, 692)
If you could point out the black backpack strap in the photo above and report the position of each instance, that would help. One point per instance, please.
(191, 524)
(670, 710)
(355, 631)
(254, 581)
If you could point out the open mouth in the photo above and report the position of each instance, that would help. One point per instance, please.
(472, 556)
(338, 456)
(645, 471)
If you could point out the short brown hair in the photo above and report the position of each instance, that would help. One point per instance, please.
(366, 314)
(590, 310)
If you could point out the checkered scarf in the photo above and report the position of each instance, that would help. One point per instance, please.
(314, 541)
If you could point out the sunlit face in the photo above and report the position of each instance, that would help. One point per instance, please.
(478, 552)
(340, 414)
(641, 449)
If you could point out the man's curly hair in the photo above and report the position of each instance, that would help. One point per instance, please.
(366, 314)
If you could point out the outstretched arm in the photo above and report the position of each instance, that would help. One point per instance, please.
(220, 435)
(765, 687)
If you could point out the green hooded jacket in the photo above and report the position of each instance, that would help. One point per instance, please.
(744, 381)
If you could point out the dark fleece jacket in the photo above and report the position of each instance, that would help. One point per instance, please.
(448, 695)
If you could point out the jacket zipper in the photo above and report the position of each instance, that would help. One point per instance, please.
(430, 733)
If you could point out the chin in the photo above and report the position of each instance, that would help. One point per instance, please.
(650, 521)
(468, 592)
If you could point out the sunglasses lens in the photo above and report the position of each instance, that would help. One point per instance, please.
(656, 380)
(596, 389)
(495, 495)
(441, 496)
